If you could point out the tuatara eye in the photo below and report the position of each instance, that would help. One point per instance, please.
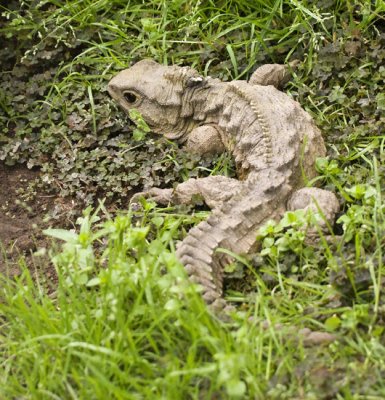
(130, 97)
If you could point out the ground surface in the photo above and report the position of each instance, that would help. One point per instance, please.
(21, 222)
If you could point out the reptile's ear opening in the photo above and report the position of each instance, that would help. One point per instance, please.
(195, 81)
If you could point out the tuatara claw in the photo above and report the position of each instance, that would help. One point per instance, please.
(160, 196)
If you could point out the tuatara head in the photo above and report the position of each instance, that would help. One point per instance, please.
(156, 91)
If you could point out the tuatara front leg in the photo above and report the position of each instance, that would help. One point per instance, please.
(205, 140)
(212, 190)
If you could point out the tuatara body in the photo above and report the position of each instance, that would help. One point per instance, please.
(274, 142)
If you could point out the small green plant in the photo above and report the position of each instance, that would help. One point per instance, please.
(288, 234)
(358, 220)
(141, 130)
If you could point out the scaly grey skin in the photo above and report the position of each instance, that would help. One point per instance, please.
(273, 140)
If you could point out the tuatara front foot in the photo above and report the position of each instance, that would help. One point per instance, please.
(160, 196)
(211, 190)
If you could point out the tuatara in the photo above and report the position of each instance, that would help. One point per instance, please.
(274, 142)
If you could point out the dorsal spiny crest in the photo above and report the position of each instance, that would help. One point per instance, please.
(261, 120)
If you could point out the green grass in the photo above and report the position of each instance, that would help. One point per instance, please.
(123, 322)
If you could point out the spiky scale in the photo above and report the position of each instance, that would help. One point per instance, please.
(195, 265)
(211, 296)
(192, 270)
(193, 252)
(207, 284)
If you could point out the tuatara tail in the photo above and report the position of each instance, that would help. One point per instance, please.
(234, 227)
(197, 253)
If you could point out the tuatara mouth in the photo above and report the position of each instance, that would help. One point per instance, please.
(154, 127)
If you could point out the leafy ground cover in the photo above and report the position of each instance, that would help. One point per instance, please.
(120, 320)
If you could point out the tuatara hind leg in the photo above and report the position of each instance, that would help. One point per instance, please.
(318, 201)
(273, 74)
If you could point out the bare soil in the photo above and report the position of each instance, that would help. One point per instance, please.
(21, 222)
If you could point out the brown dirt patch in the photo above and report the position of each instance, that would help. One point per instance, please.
(21, 219)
